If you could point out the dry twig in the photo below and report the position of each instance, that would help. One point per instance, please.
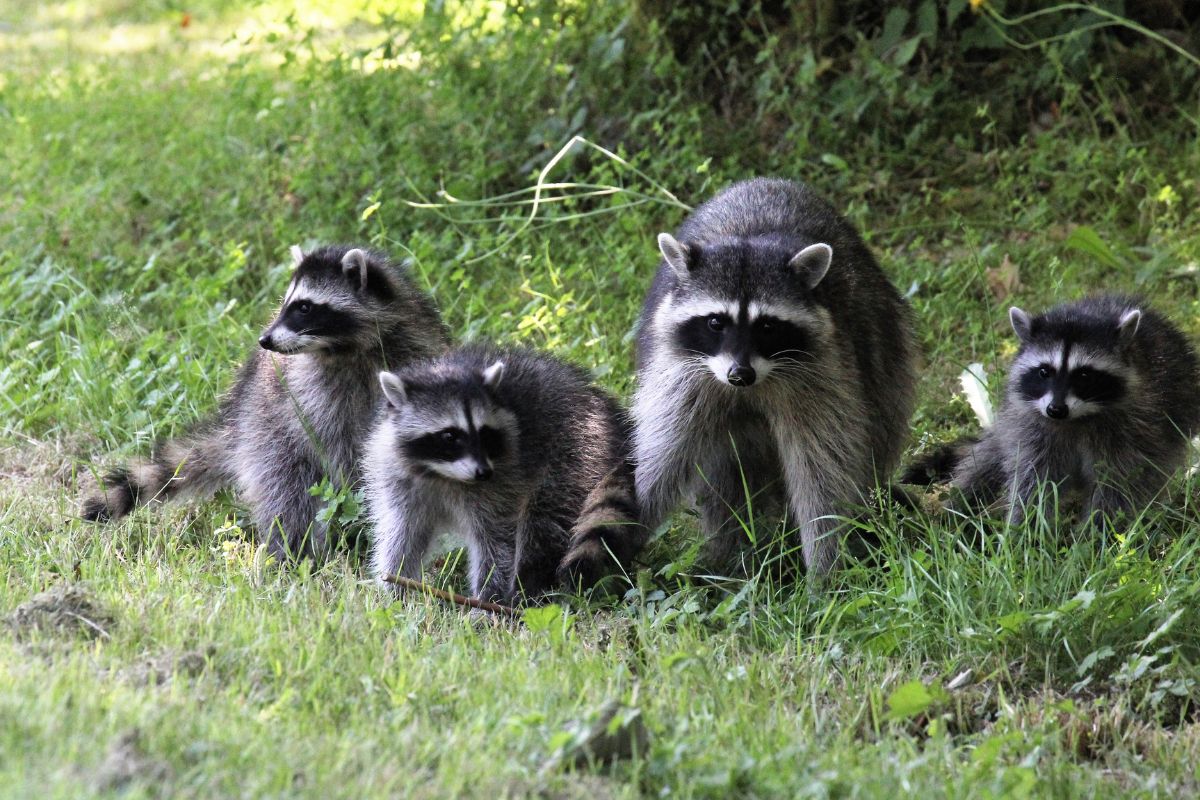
(451, 597)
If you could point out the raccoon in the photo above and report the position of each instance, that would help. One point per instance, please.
(776, 368)
(300, 406)
(498, 446)
(1102, 398)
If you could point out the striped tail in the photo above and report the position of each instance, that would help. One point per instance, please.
(939, 464)
(609, 532)
(195, 465)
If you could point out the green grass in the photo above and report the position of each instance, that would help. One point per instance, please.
(156, 174)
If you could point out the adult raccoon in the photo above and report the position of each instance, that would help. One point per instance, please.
(771, 345)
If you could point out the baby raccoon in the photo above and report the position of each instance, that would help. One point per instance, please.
(1102, 398)
(499, 446)
(775, 361)
(300, 406)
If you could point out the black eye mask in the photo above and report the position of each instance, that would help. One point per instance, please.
(768, 337)
(451, 444)
(1087, 383)
(319, 319)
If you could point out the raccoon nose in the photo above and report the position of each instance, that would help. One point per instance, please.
(740, 375)
(265, 342)
(483, 473)
(1056, 411)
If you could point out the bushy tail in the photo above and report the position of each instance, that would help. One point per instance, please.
(939, 464)
(609, 532)
(195, 465)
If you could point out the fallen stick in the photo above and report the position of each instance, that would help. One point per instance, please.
(451, 597)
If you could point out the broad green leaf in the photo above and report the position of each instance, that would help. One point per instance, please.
(1086, 240)
(909, 700)
(541, 618)
(906, 50)
(1013, 622)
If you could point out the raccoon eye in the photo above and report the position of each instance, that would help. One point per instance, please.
(1044, 372)
(448, 437)
(715, 323)
(1083, 374)
(304, 307)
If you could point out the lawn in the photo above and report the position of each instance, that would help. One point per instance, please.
(157, 160)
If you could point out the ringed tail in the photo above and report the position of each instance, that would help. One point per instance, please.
(193, 465)
(608, 534)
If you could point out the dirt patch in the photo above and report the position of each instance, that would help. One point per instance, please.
(34, 464)
(127, 762)
(163, 668)
(1089, 729)
(66, 609)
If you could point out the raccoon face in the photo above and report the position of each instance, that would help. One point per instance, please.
(720, 325)
(1072, 371)
(450, 427)
(328, 304)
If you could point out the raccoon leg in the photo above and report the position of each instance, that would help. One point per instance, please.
(491, 558)
(1029, 492)
(540, 545)
(937, 465)
(1107, 504)
(1133, 483)
(732, 503)
(400, 539)
(819, 475)
(979, 474)
(813, 505)
(284, 511)
(665, 457)
(1124, 490)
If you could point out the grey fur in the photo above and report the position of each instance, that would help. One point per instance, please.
(824, 422)
(301, 406)
(1116, 456)
(514, 503)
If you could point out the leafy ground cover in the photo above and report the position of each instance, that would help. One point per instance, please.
(159, 159)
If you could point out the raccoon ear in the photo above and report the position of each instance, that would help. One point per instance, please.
(493, 374)
(393, 389)
(812, 263)
(297, 255)
(355, 261)
(675, 252)
(1021, 323)
(1128, 325)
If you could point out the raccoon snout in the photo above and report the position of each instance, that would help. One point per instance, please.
(740, 375)
(1057, 411)
(484, 473)
(265, 342)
